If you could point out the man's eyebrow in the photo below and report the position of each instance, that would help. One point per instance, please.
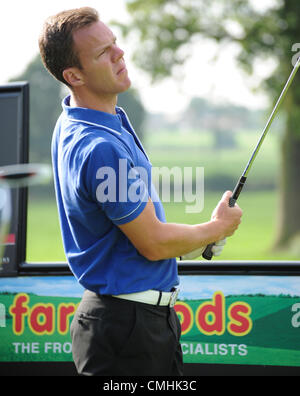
(107, 45)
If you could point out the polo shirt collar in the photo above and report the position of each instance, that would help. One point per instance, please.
(94, 117)
(110, 122)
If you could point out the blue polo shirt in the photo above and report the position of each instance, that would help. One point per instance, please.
(102, 179)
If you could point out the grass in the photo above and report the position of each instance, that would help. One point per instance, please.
(256, 235)
(196, 149)
(44, 243)
(253, 240)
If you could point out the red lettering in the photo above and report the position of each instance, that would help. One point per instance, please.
(185, 315)
(18, 310)
(41, 320)
(210, 316)
(240, 323)
(64, 313)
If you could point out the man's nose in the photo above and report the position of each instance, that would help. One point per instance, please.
(118, 54)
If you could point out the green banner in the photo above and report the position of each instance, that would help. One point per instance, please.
(224, 319)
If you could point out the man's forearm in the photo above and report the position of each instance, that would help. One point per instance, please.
(175, 240)
(156, 240)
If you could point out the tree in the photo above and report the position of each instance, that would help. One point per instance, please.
(166, 28)
(45, 107)
(223, 120)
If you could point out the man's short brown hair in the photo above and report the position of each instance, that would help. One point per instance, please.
(56, 40)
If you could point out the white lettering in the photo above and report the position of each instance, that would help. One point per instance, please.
(2, 315)
(173, 182)
(214, 349)
(106, 191)
(120, 386)
(26, 347)
(295, 48)
(296, 317)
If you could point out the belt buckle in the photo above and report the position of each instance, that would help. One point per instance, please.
(173, 298)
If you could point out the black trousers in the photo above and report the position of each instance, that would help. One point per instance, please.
(116, 337)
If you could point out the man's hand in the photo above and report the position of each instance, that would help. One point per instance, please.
(228, 218)
(218, 247)
(217, 250)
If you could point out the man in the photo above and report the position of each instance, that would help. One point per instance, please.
(115, 236)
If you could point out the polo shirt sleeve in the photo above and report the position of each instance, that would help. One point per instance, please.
(118, 187)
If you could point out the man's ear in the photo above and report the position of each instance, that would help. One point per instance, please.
(73, 77)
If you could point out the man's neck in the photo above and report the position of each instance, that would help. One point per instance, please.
(106, 104)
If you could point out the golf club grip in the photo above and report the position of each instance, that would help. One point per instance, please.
(232, 202)
(208, 254)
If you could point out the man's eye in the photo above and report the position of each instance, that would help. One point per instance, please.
(103, 52)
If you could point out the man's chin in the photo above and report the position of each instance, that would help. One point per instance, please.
(125, 86)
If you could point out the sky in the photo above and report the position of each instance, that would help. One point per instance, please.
(21, 22)
(191, 287)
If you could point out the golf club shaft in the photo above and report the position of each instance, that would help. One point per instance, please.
(208, 254)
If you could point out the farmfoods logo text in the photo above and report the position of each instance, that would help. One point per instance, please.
(211, 317)
(244, 325)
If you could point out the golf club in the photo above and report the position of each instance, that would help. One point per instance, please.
(24, 175)
(208, 254)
